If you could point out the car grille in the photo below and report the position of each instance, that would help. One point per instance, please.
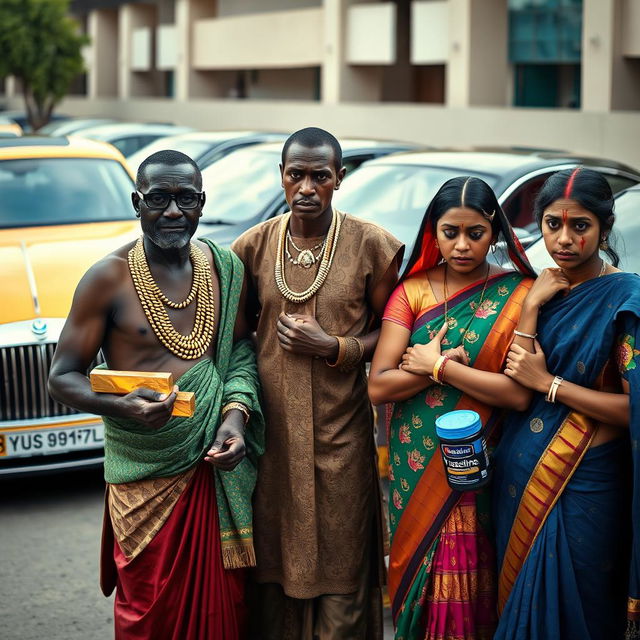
(23, 383)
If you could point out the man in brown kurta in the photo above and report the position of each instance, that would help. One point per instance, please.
(317, 511)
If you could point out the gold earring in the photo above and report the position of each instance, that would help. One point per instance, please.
(604, 245)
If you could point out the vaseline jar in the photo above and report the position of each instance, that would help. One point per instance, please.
(463, 449)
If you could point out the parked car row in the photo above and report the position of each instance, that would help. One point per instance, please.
(66, 202)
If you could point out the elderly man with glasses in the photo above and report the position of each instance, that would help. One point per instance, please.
(178, 521)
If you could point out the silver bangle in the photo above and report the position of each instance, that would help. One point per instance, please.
(522, 334)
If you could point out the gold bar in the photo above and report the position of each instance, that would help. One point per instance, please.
(185, 404)
(109, 381)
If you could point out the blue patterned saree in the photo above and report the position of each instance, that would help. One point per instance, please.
(568, 516)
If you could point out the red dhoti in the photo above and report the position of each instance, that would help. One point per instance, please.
(176, 588)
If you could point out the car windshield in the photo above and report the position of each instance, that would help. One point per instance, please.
(395, 196)
(48, 191)
(240, 185)
(625, 236)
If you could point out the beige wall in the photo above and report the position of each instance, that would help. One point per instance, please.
(477, 64)
(631, 28)
(190, 82)
(131, 83)
(609, 79)
(271, 40)
(103, 75)
(612, 135)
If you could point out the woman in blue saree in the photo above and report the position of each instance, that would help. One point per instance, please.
(562, 505)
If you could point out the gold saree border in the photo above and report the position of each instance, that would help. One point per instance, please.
(552, 473)
(432, 491)
(633, 609)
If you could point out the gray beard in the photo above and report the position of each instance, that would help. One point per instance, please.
(171, 241)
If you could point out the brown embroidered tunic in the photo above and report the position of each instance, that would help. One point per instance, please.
(317, 497)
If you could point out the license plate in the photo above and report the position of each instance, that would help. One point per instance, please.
(48, 441)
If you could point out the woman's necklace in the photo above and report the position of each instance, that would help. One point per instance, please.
(603, 268)
(325, 263)
(154, 301)
(473, 314)
(305, 257)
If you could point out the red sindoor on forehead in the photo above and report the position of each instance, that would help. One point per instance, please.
(565, 215)
(569, 186)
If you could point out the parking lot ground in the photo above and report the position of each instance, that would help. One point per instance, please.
(49, 544)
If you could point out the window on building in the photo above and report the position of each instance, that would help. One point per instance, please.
(545, 49)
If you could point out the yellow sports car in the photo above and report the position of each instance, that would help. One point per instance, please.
(64, 204)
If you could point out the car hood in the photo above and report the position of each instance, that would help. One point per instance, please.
(42, 265)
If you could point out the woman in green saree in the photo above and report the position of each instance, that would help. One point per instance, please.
(445, 335)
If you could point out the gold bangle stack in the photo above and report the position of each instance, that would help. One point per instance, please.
(437, 375)
(154, 301)
(342, 343)
(350, 353)
(240, 407)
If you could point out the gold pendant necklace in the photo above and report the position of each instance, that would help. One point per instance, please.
(465, 331)
(323, 270)
(154, 301)
(305, 257)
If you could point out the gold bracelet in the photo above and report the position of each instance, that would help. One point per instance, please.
(240, 407)
(342, 351)
(353, 353)
(553, 389)
(436, 369)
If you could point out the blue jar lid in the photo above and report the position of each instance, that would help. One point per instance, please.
(458, 424)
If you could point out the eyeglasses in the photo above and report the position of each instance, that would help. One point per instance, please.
(159, 200)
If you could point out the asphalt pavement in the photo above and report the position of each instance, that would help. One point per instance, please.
(49, 545)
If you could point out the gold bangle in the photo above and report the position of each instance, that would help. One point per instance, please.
(342, 351)
(353, 353)
(436, 369)
(240, 407)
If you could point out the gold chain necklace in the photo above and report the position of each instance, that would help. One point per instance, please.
(323, 269)
(153, 303)
(446, 301)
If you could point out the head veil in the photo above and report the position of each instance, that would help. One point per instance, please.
(426, 255)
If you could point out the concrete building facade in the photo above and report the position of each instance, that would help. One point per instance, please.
(544, 73)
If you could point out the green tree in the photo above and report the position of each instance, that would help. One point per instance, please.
(41, 46)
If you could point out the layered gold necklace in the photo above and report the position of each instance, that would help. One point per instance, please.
(325, 263)
(154, 301)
